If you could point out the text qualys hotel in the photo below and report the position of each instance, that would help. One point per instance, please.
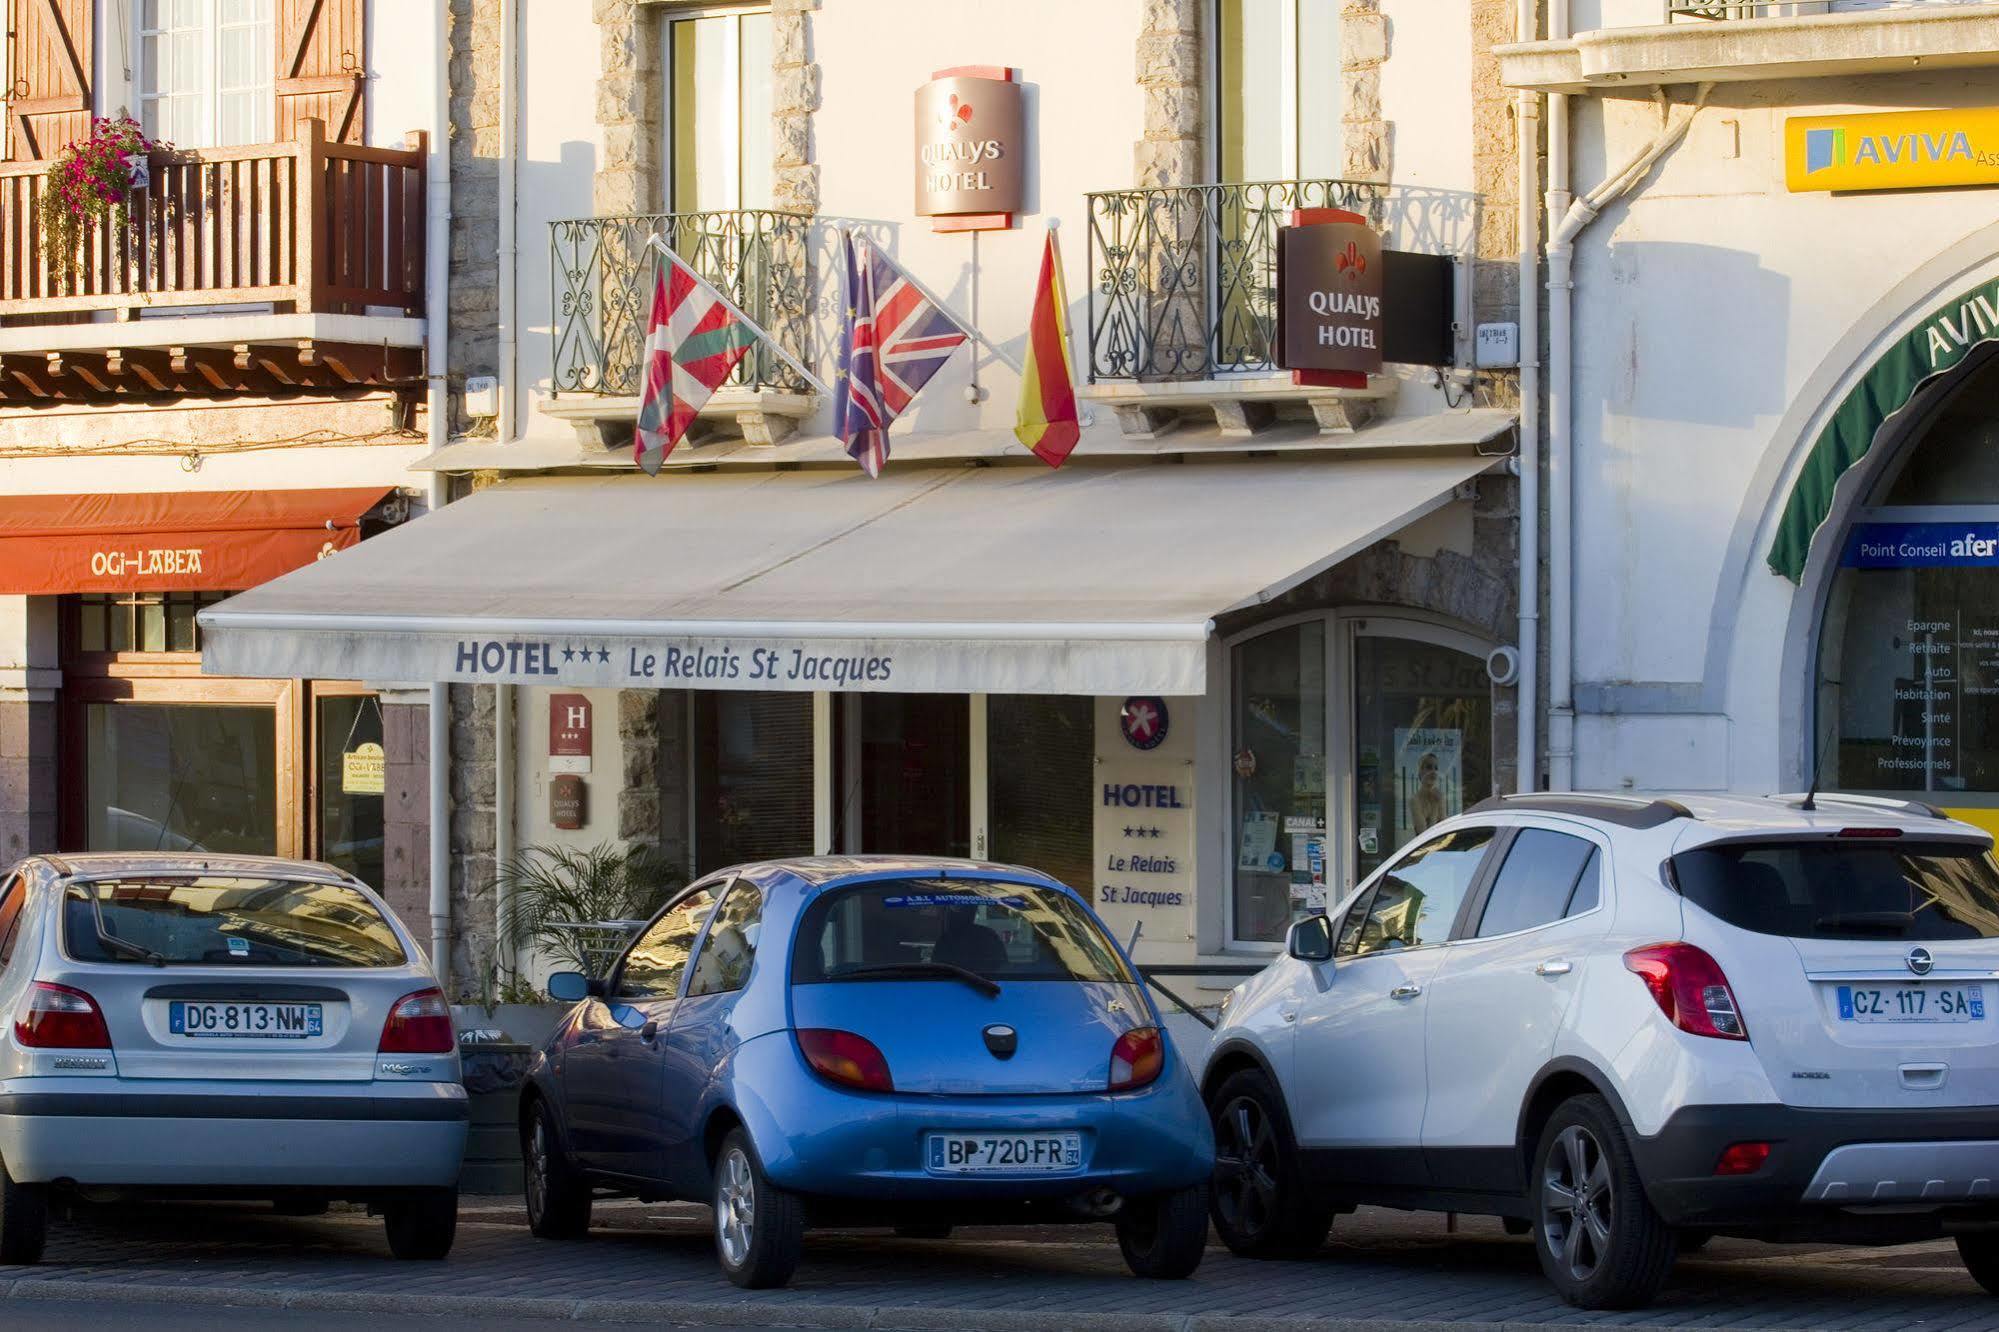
(1214, 666)
(1772, 395)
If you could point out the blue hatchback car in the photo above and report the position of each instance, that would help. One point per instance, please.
(870, 1041)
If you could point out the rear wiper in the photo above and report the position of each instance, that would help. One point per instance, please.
(122, 947)
(985, 985)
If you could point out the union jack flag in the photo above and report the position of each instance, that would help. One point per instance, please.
(896, 339)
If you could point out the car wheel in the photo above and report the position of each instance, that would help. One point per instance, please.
(1259, 1202)
(1598, 1239)
(422, 1223)
(1164, 1237)
(24, 1220)
(1980, 1254)
(759, 1228)
(558, 1197)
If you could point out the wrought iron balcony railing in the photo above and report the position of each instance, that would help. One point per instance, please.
(1183, 279)
(602, 269)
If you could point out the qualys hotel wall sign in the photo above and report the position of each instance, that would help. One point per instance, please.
(970, 148)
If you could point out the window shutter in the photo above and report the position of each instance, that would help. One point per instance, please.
(48, 72)
(321, 66)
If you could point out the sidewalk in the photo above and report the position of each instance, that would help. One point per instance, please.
(654, 1265)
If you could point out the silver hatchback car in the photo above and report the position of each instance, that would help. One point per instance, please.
(200, 1026)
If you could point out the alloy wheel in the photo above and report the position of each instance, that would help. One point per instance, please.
(1576, 1201)
(736, 1208)
(1246, 1166)
(537, 1167)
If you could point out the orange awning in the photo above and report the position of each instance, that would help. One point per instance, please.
(198, 541)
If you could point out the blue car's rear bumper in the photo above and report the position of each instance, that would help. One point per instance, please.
(818, 1139)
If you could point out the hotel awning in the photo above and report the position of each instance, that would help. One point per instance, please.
(189, 541)
(1090, 580)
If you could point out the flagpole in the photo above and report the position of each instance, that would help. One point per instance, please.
(945, 306)
(749, 323)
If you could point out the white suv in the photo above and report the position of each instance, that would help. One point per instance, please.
(1625, 1025)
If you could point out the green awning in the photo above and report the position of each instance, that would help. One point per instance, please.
(1937, 345)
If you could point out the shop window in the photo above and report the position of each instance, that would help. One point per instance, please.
(1908, 671)
(1041, 760)
(141, 621)
(1422, 739)
(752, 777)
(181, 777)
(349, 783)
(718, 111)
(205, 71)
(1279, 764)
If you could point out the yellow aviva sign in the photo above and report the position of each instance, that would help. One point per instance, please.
(1892, 150)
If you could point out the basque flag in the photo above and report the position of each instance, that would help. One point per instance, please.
(694, 340)
(1046, 421)
(896, 338)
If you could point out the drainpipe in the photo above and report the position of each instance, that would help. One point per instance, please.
(1564, 226)
(437, 297)
(1527, 123)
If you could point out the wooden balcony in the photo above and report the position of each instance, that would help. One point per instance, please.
(263, 268)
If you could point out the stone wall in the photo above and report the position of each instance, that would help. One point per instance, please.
(1169, 69)
(406, 810)
(28, 790)
(476, 139)
(1495, 168)
(652, 803)
(473, 929)
(1366, 146)
(795, 96)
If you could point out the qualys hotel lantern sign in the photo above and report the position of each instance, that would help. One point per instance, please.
(970, 148)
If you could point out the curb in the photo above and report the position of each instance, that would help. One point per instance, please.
(745, 1312)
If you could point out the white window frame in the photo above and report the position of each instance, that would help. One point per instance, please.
(1342, 627)
(143, 97)
(730, 107)
(1290, 97)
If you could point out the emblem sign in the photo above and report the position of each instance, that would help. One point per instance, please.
(970, 149)
(1330, 297)
(1919, 961)
(568, 733)
(568, 802)
(1142, 721)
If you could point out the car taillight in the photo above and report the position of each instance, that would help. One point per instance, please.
(420, 1023)
(845, 1058)
(1743, 1158)
(1137, 1058)
(1690, 989)
(55, 1017)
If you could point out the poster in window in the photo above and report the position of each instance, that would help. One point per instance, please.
(1259, 842)
(1429, 778)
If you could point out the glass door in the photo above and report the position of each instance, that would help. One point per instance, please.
(718, 84)
(349, 781)
(904, 774)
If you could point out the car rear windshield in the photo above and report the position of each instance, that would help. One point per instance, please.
(226, 922)
(999, 931)
(1846, 889)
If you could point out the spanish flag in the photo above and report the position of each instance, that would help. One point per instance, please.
(1047, 417)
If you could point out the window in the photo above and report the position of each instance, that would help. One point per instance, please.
(718, 78)
(653, 967)
(1846, 890)
(935, 929)
(752, 777)
(141, 621)
(1041, 756)
(1279, 750)
(1278, 109)
(232, 921)
(730, 949)
(1546, 876)
(1416, 903)
(180, 777)
(12, 898)
(205, 71)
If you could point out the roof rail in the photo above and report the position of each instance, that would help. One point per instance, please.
(1625, 811)
(1924, 808)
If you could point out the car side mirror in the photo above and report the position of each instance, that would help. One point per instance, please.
(1310, 940)
(569, 986)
